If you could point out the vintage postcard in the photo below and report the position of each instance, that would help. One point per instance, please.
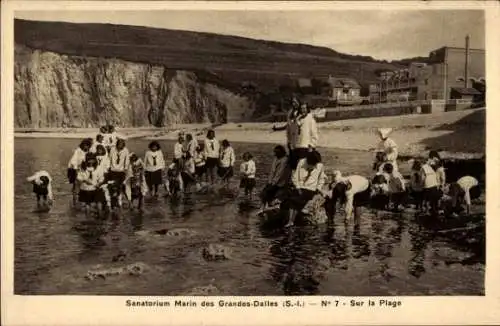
(250, 163)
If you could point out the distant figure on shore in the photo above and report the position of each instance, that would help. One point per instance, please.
(388, 146)
(42, 187)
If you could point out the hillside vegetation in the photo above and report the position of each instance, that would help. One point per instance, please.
(228, 59)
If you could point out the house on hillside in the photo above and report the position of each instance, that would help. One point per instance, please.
(344, 91)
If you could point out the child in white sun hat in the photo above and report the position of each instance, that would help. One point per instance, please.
(388, 146)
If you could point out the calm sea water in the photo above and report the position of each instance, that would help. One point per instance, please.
(381, 254)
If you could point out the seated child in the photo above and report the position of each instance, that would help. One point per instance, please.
(308, 179)
(42, 187)
(464, 190)
(277, 179)
(247, 170)
(397, 188)
(136, 186)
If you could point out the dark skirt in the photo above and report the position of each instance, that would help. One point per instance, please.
(298, 201)
(71, 175)
(269, 193)
(475, 192)
(118, 177)
(187, 179)
(154, 178)
(296, 155)
(247, 183)
(417, 196)
(380, 201)
(225, 173)
(432, 194)
(200, 170)
(87, 197)
(362, 198)
(211, 162)
(40, 190)
(136, 192)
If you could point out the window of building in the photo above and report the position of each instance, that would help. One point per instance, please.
(426, 81)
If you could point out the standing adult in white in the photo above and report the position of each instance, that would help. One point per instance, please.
(302, 135)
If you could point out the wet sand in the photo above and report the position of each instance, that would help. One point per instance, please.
(460, 134)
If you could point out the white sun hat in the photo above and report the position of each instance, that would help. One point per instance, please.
(384, 132)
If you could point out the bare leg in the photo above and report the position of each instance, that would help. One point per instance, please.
(73, 190)
(291, 218)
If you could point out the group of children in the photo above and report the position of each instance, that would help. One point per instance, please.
(102, 170)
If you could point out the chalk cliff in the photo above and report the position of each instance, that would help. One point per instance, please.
(56, 90)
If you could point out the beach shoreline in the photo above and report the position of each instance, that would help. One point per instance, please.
(459, 133)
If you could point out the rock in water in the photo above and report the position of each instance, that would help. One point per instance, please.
(314, 212)
(216, 252)
(203, 291)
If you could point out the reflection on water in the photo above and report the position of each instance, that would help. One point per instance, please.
(378, 254)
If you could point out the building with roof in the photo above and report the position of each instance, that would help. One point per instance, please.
(449, 73)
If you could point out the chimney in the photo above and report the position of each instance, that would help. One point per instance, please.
(466, 73)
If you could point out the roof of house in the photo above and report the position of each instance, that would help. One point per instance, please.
(343, 82)
(466, 91)
(304, 82)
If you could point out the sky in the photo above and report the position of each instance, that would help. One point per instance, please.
(382, 34)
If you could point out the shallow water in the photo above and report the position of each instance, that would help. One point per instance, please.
(381, 254)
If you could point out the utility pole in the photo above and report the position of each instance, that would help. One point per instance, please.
(466, 73)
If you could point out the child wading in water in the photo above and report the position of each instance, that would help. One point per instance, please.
(227, 160)
(74, 166)
(200, 162)
(397, 188)
(154, 164)
(135, 185)
(247, 170)
(212, 149)
(42, 187)
(188, 172)
(416, 184)
(91, 178)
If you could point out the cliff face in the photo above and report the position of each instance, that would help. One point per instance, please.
(54, 90)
